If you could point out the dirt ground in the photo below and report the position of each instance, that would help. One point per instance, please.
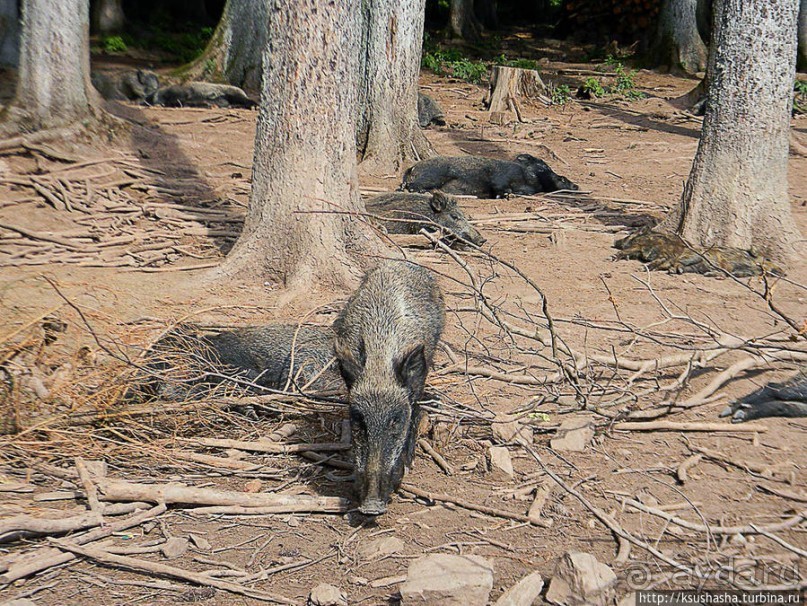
(170, 195)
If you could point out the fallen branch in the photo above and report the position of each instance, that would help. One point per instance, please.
(120, 490)
(544, 379)
(42, 559)
(11, 528)
(491, 511)
(735, 369)
(748, 529)
(752, 466)
(613, 525)
(326, 506)
(267, 446)
(329, 460)
(146, 566)
(436, 456)
(218, 462)
(683, 468)
(765, 533)
(89, 489)
(674, 426)
(60, 134)
(42, 236)
(785, 494)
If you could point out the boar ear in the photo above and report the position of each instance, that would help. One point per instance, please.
(410, 370)
(349, 367)
(439, 202)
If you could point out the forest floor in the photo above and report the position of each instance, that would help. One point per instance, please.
(117, 236)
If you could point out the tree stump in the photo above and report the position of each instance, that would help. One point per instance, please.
(507, 84)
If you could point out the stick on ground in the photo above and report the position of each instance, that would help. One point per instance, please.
(120, 490)
(169, 571)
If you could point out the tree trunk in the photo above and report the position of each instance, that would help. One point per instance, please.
(107, 16)
(304, 171)
(677, 43)
(463, 21)
(9, 33)
(53, 87)
(802, 61)
(388, 133)
(736, 195)
(235, 52)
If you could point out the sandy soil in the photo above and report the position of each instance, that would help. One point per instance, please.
(633, 156)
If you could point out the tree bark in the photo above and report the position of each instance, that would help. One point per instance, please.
(304, 171)
(235, 52)
(678, 44)
(802, 60)
(9, 33)
(463, 21)
(736, 195)
(53, 87)
(388, 133)
(107, 16)
(507, 85)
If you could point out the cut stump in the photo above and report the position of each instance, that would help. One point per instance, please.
(507, 85)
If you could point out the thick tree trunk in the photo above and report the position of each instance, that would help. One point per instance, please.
(388, 133)
(463, 21)
(53, 88)
(9, 33)
(677, 43)
(235, 52)
(802, 61)
(736, 195)
(107, 16)
(304, 172)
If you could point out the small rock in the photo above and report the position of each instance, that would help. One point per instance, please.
(500, 463)
(202, 544)
(174, 547)
(253, 486)
(326, 595)
(380, 547)
(523, 593)
(581, 579)
(447, 580)
(573, 435)
(356, 580)
(512, 431)
(20, 602)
